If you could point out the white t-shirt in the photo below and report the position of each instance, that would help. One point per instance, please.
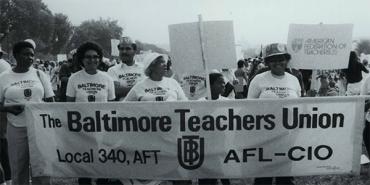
(4, 65)
(193, 85)
(23, 88)
(84, 87)
(148, 90)
(267, 85)
(365, 88)
(126, 75)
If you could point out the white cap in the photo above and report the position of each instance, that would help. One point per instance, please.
(32, 42)
(149, 58)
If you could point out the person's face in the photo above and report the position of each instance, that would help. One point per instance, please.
(159, 67)
(218, 87)
(277, 64)
(126, 52)
(91, 60)
(25, 58)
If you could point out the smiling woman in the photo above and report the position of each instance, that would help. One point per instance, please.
(23, 84)
(275, 83)
(156, 87)
(89, 84)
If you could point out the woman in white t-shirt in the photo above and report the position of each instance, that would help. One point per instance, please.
(21, 85)
(156, 87)
(89, 84)
(275, 83)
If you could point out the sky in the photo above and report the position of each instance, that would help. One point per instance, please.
(255, 22)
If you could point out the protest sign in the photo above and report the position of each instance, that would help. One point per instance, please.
(217, 39)
(61, 57)
(114, 50)
(196, 139)
(319, 46)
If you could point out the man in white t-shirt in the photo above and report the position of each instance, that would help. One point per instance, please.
(129, 71)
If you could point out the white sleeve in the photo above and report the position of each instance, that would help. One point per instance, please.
(253, 90)
(111, 91)
(299, 89)
(365, 87)
(112, 73)
(180, 92)
(131, 96)
(2, 90)
(48, 89)
(71, 91)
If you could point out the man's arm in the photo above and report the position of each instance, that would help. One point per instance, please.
(121, 91)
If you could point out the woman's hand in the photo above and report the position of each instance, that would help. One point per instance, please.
(15, 109)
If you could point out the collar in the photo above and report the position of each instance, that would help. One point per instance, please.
(123, 65)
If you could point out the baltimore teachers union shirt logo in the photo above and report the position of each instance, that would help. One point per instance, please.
(27, 94)
(190, 152)
(297, 45)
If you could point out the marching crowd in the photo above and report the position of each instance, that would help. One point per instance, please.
(85, 77)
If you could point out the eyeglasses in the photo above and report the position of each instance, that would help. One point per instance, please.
(90, 57)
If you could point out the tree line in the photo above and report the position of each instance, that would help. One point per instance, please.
(53, 32)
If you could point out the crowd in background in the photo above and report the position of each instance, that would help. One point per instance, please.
(150, 77)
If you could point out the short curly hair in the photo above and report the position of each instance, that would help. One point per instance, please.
(19, 46)
(85, 47)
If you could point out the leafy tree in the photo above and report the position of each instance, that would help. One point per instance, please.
(63, 30)
(100, 31)
(146, 47)
(22, 19)
(8, 17)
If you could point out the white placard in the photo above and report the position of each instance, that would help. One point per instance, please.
(219, 46)
(319, 46)
(61, 57)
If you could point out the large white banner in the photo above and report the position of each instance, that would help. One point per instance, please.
(218, 41)
(320, 46)
(198, 139)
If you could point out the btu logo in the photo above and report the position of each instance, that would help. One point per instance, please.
(190, 152)
(27, 94)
